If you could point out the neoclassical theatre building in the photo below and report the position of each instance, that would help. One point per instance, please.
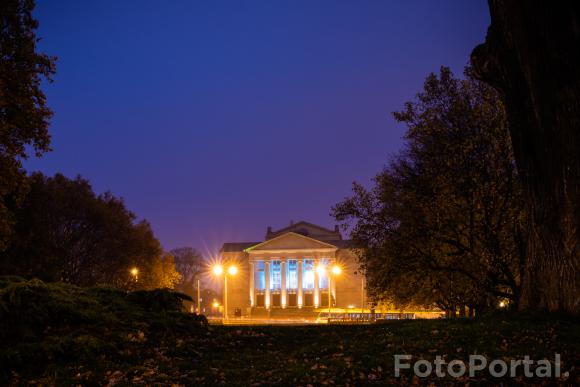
(292, 272)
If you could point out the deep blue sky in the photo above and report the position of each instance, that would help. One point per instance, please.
(215, 119)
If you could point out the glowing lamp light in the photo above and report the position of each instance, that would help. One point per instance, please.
(216, 304)
(502, 304)
(351, 307)
(232, 270)
(336, 270)
(218, 270)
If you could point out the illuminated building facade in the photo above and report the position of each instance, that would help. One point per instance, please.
(291, 273)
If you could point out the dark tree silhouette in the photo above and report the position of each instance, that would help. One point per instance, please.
(65, 232)
(188, 262)
(441, 224)
(24, 115)
(532, 56)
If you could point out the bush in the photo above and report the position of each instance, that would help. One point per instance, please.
(62, 322)
(159, 299)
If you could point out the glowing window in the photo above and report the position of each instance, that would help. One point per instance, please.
(259, 275)
(275, 275)
(308, 274)
(323, 274)
(292, 274)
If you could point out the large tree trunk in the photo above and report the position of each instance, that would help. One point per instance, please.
(532, 56)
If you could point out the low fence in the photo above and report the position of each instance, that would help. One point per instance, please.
(324, 318)
(363, 318)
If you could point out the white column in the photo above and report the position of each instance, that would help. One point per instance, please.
(252, 286)
(316, 280)
(283, 282)
(299, 297)
(267, 292)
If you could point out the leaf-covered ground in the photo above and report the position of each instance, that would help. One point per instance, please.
(124, 343)
(316, 355)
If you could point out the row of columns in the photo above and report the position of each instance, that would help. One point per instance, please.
(283, 292)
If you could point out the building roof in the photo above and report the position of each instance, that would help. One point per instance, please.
(308, 229)
(241, 246)
(313, 231)
(344, 244)
(306, 240)
(236, 247)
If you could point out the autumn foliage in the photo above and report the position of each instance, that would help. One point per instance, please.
(442, 223)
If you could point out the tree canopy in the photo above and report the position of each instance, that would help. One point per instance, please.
(24, 115)
(65, 232)
(442, 223)
(189, 264)
(56, 228)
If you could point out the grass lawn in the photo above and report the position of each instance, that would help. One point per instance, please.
(354, 355)
(118, 340)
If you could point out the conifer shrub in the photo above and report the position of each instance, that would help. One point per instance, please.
(59, 323)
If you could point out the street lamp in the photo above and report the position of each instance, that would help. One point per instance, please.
(334, 271)
(135, 273)
(362, 292)
(218, 270)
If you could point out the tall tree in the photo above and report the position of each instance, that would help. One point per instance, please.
(160, 273)
(441, 224)
(24, 116)
(188, 262)
(65, 232)
(532, 55)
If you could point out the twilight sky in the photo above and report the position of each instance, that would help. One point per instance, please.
(215, 119)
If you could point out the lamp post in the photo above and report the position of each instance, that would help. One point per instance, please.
(362, 292)
(218, 270)
(198, 297)
(334, 271)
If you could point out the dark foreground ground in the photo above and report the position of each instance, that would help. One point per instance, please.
(63, 335)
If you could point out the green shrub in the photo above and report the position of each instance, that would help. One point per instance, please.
(159, 299)
(44, 324)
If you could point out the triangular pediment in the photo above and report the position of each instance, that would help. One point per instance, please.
(307, 229)
(291, 241)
